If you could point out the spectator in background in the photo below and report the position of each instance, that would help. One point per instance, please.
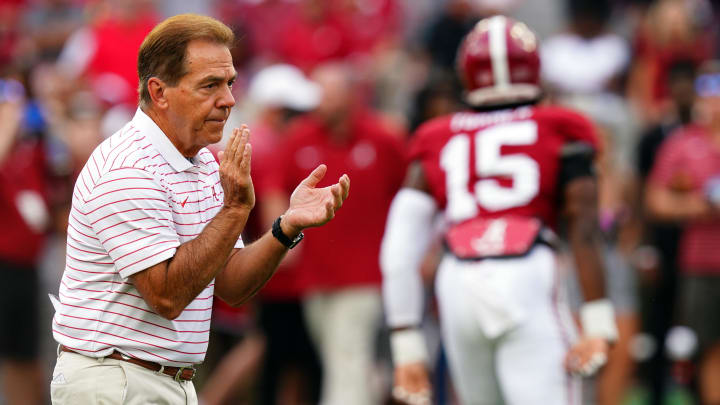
(371, 23)
(106, 50)
(25, 218)
(343, 305)
(658, 258)
(317, 36)
(587, 58)
(291, 368)
(447, 31)
(684, 187)
(584, 68)
(49, 23)
(10, 31)
(264, 21)
(439, 96)
(681, 88)
(671, 30)
(290, 372)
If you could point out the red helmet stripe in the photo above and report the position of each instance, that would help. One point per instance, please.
(498, 51)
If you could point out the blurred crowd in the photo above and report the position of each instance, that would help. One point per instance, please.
(345, 82)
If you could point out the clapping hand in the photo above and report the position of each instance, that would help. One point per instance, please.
(310, 206)
(235, 170)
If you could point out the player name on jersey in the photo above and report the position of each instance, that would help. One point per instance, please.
(473, 120)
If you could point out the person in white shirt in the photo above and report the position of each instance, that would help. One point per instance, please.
(154, 230)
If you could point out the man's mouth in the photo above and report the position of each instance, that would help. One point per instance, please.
(216, 120)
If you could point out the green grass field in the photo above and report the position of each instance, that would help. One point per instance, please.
(676, 396)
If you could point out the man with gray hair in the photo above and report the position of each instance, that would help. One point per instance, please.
(154, 230)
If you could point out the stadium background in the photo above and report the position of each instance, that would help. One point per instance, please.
(622, 62)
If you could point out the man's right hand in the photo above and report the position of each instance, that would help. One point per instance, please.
(587, 356)
(235, 171)
(412, 384)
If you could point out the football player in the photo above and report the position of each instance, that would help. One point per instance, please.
(502, 175)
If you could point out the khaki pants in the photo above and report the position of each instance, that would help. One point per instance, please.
(343, 325)
(79, 379)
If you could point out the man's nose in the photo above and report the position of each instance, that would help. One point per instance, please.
(226, 99)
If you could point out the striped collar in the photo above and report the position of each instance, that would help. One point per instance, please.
(160, 141)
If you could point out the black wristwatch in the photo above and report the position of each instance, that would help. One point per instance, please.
(280, 236)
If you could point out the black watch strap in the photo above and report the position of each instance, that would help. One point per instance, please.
(284, 239)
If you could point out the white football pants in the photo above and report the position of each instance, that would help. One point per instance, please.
(506, 329)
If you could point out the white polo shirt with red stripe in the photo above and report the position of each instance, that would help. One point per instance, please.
(136, 200)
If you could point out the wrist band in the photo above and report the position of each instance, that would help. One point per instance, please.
(597, 318)
(408, 346)
(282, 238)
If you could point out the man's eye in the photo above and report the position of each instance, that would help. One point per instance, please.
(211, 85)
(230, 84)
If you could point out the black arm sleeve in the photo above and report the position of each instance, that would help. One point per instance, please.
(576, 160)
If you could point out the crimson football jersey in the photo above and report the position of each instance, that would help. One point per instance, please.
(499, 163)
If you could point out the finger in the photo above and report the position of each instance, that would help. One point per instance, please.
(345, 186)
(231, 145)
(419, 398)
(597, 360)
(245, 162)
(403, 395)
(221, 155)
(240, 148)
(314, 178)
(336, 191)
(400, 394)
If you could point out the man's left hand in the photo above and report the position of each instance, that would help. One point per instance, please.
(310, 206)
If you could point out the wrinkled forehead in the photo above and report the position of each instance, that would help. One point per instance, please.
(206, 57)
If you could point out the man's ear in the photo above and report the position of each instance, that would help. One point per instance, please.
(158, 92)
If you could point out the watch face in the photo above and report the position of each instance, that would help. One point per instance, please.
(297, 239)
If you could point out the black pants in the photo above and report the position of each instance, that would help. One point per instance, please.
(288, 345)
(19, 312)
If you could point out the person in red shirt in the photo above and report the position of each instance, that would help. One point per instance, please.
(117, 34)
(25, 219)
(501, 176)
(340, 266)
(670, 31)
(316, 37)
(265, 23)
(290, 369)
(684, 187)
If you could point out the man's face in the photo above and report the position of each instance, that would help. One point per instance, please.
(199, 105)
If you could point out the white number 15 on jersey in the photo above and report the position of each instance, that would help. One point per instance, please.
(488, 193)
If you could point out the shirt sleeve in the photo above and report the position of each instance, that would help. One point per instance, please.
(578, 129)
(131, 215)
